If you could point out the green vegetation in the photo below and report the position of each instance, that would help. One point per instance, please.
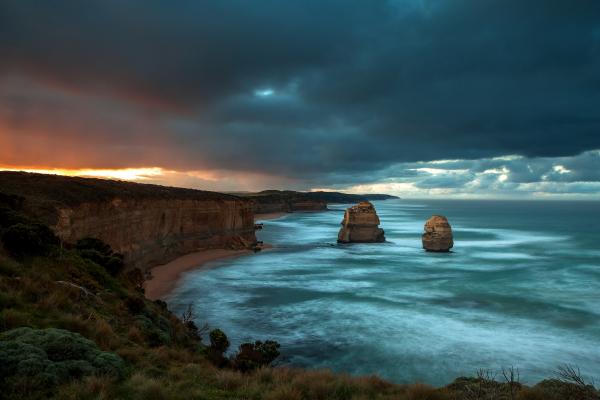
(74, 325)
(100, 253)
(39, 359)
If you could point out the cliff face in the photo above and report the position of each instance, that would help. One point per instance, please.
(148, 224)
(361, 225)
(151, 232)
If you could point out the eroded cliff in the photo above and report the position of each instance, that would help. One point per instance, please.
(438, 234)
(361, 225)
(148, 224)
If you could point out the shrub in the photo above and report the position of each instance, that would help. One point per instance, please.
(554, 389)
(219, 343)
(254, 355)
(9, 217)
(46, 357)
(90, 243)
(99, 252)
(28, 239)
(155, 336)
(218, 340)
(135, 305)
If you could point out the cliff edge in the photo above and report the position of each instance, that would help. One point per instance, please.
(148, 224)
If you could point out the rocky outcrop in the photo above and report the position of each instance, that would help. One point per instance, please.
(148, 224)
(438, 234)
(361, 225)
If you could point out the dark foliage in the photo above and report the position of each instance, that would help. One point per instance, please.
(11, 201)
(46, 357)
(135, 305)
(219, 343)
(136, 278)
(99, 252)
(218, 340)
(255, 355)
(28, 239)
(9, 217)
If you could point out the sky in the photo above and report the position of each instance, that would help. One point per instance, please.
(418, 98)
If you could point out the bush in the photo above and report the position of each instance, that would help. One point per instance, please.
(219, 343)
(136, 278)
(100, 253)
(45, 357)
(135, 305)
(10, 217)
(254, 355)
(28, 239)
(154, 334)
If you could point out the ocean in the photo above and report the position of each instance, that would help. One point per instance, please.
(521, 288)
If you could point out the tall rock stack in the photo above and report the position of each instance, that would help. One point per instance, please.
(438, 234)
(361, 225)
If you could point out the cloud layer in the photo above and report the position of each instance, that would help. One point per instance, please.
(318, 93)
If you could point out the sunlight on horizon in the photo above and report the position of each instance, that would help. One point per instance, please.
(127, 174)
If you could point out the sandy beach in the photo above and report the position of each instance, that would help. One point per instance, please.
(165, 277)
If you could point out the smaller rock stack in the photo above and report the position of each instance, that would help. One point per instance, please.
(438, 234)
(361, 225)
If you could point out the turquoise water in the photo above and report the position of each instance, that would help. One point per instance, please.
(521, 288)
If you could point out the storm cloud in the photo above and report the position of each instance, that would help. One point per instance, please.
(325, 93)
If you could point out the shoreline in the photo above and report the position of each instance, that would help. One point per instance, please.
(268, 216)
(165, 276)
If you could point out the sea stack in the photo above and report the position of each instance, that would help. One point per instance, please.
(438, 234)
(361, 225)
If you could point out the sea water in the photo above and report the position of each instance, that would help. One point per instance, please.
(521, 288)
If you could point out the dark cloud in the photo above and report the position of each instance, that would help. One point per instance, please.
(327, 91)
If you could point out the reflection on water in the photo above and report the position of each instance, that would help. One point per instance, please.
(522, 288)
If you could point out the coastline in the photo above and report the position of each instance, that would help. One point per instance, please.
(268, 216)
(165, 276)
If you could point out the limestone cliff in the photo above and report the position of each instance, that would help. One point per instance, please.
(361, 225)
(438, 234)
(148, 224)
(150, 232)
